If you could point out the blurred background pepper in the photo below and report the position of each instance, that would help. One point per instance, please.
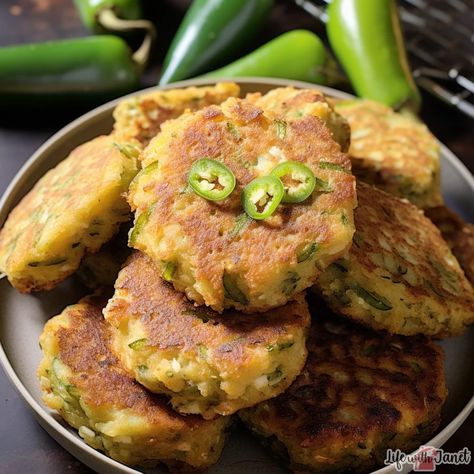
(92, 12)
(367, 40)
(211, 33)
(297, 54)
(66, 73)
(364, 35)
(78, 71)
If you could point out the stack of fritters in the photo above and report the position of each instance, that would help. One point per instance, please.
(359, 394)
(209, 314)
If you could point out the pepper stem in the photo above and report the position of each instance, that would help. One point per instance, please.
(110, 21)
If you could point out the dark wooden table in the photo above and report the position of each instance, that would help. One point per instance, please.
(24, 446)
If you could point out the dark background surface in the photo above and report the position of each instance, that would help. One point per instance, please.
(24, 446)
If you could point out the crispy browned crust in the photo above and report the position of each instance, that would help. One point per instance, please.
(408, 231)
(61, 190)
(85, 347)
(208, 225)
(139, 119)
(170, 320)
(400, 255)
(288, 101)
(359, 391)
(458, 234)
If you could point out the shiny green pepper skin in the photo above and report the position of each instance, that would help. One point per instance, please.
(89, 11)
(211, 179)
(212, 33)
(261, 197)
(301, 182)
(73, 72)
(299, 55)
(366, 37)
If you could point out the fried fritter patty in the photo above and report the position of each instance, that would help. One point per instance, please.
(207, 363)
(82, 378)
(458, 234)
(399, 275)
(292, 103)
(139, 118)
(73, 209)
(220, 258)
(393, 151)
(359, 394)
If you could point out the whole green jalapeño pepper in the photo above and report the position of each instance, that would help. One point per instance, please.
(262, 196)
(211, 179)
(298, 55)
(367, 39)
(82, 71)
(298, 180)
(212, 32)
(92, 10)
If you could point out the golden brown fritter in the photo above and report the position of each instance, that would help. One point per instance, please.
(82, 378)
(359, 394)
(219, 257)
(72, 210)
(207, 363)
(458, 234)
(392, 151)
(289, 102)
(399, 274)
(138, 119)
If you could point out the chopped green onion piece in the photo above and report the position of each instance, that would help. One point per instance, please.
(211, 179)
(298, 180)
(233, 129)
(275, 376)
(49, 263)
(140, 222)
(262, 196)
(307, 252)
(168, 271)
(373, 299)
(341, 265)
(144, 172)
(281, 128)
(280, 347)
(327, 165)
(201, 313)
(139, 344)
(285, 345)
(240, 223)
(290, 283)
(232, 291)
(127, 150)
(202, 349)
(323, 186)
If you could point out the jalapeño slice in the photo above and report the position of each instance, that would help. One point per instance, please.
(211, 179)
(298, 180)
(261, 197)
